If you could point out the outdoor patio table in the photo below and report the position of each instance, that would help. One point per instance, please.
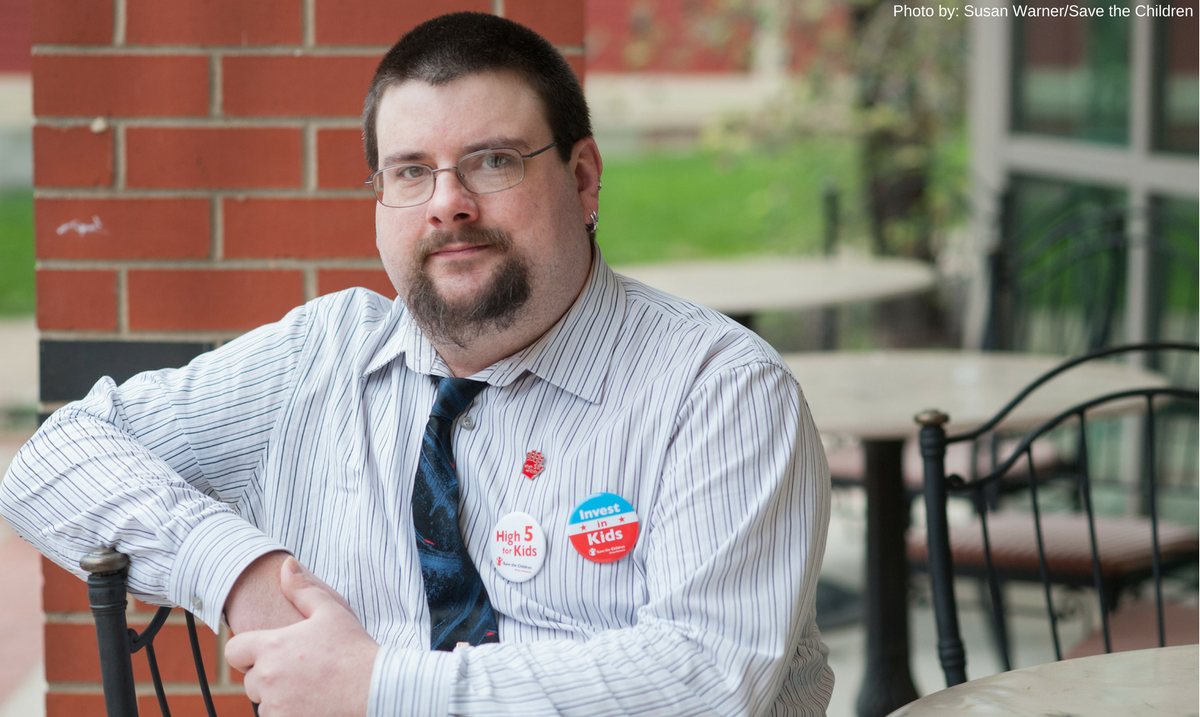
(739, 287)
(874, 396)
(1144, 683)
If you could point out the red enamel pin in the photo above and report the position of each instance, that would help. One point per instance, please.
(534, 461)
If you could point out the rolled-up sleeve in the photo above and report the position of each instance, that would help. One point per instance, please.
(158, 467)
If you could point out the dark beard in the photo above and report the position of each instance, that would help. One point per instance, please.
(496, 306)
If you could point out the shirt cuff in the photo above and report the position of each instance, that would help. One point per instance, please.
(411, 682)
(210, 560)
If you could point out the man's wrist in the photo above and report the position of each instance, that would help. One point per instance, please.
(256, 601)
(214, 553)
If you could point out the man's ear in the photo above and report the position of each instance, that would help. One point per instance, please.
(585, 167)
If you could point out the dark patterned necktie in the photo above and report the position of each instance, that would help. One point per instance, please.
(458, 602)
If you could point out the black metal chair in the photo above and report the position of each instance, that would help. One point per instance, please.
(118, 642)
(1057, 283)
(1081, 549)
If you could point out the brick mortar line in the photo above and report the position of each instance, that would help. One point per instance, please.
(236, 264)
(146, 688)
(216, 219)
(310, 283)
(69, 618)
(166, 193)
(120, 14)
(120, 166)
(308, 23)
(134, 618)
(204, 121)
(216, 80)
(223, 672)
(123, 301)
(498, 8)
(290, 50)
(171, 337)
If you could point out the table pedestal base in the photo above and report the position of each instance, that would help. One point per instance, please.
(887, 684)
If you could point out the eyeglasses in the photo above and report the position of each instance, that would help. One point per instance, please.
(484, 172)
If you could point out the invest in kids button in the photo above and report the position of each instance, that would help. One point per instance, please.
(603, 528)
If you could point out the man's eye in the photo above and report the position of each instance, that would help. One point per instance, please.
(411, 172)
(496, 161)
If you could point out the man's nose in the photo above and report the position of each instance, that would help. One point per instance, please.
(452, 203)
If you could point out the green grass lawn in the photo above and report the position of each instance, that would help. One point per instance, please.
(16, 253)
(667, 206)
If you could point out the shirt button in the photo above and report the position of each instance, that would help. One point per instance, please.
(468, 422)
(197, 604)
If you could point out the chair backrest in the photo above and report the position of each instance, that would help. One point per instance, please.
(1058, 275)
(118, 642)
(1104, 570)
(1058, 281)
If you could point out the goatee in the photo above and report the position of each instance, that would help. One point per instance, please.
(494, 308)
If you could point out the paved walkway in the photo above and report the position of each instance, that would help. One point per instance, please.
(22, 684)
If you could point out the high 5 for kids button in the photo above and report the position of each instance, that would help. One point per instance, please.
(603, 528)
(518, 547)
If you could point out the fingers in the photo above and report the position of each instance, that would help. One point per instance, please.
(304, 590)
(241, 650)
(319, 666)
(313, 579)
(250, 684)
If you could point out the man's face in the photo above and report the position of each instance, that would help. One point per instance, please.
(469, 263)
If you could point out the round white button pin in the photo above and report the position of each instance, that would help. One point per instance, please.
(518, 547)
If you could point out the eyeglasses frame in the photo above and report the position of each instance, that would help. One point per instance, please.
(434, 172)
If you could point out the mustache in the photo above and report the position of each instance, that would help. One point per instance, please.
(473, 235)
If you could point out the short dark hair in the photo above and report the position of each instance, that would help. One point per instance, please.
(447, 48)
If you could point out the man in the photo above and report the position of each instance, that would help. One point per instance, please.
(622, 513)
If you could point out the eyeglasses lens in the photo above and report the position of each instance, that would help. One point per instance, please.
(492, 170)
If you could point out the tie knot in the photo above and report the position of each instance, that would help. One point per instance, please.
(454, 395)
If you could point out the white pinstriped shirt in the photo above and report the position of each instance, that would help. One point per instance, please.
(304, 435)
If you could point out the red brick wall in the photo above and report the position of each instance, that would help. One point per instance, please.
(14, 35)
(198, 171)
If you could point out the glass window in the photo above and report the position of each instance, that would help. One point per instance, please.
(1174, 224)
(1062, 271)
(1071, 74)
(1176, 79)
(1174, 307)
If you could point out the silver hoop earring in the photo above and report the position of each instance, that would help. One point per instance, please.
(595, 221)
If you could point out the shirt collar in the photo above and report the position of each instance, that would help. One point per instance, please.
(574, 354)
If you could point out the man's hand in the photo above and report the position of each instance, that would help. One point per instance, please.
(318, 667)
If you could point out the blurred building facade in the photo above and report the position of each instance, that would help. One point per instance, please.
(657, 70)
